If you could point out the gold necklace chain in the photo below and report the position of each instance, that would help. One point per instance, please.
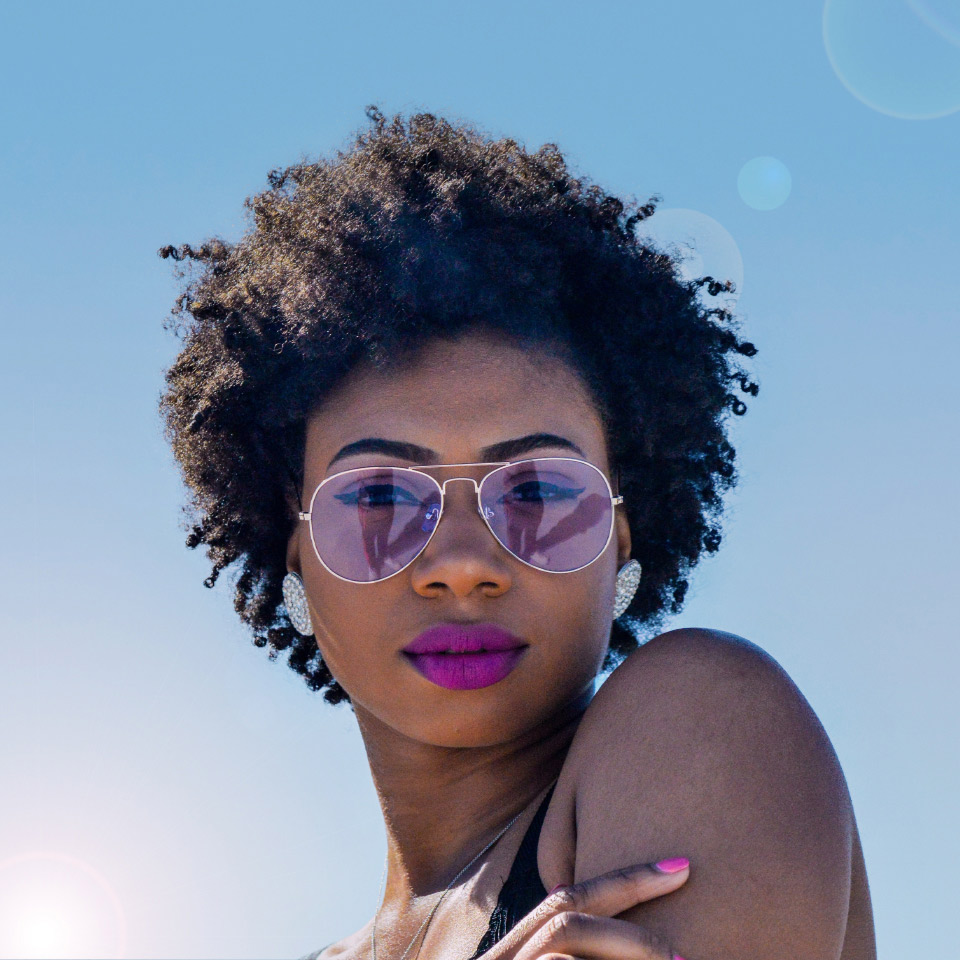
(425, 924)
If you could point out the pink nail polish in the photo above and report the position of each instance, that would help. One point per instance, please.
(673, 865)
(559, 886)
(677, 956)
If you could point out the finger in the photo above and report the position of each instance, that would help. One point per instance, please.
(612, 893)
(603, 896)
(597, 938)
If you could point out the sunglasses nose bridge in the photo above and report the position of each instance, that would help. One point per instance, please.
(476, 490)
(476, 485)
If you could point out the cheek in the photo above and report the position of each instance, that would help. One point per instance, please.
(576, 618)
(348, 620)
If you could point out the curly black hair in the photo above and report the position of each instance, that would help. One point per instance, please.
(423, 228)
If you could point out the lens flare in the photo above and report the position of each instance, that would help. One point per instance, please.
(764, 183)
(53, 905)
(702, 245)
(896, 56)
(942, 15)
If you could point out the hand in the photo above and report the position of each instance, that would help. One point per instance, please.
(576, 922)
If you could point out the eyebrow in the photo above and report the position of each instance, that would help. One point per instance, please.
(505, 450)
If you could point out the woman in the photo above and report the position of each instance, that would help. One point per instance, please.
(464, 436)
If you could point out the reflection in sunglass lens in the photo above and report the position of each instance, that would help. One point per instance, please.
(554, 514)
(369, 523)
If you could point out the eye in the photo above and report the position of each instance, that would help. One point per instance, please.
(377, 495)
(540, 491)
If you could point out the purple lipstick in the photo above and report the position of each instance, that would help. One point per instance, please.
(461, 656)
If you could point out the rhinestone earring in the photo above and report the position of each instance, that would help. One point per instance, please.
(295, 600)
(628, 579)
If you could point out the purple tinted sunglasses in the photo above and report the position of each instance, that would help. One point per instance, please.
(552, 513)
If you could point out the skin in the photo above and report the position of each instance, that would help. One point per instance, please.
(657, 765)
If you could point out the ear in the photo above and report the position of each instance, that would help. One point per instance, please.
(621, 530)
(292, 495)
(293, 548)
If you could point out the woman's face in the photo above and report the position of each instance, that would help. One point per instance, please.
(454, 400)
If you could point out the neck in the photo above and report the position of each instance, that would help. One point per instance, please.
(442, 805)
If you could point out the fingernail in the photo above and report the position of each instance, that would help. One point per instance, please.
(559, 886)
(677, 956)
(673, 865)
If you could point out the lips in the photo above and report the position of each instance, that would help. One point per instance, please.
(465, 656)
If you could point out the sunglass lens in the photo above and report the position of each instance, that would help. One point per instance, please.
(370, 523)
(554, 514)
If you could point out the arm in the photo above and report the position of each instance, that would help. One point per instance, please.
(700, 745)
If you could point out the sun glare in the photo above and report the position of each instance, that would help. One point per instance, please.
(56, 906)
(41, 932)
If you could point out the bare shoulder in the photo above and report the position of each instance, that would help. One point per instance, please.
(700, 745)
(351, 946)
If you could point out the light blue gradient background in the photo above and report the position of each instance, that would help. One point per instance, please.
(142, 733)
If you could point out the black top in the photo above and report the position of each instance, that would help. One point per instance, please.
(521, 891)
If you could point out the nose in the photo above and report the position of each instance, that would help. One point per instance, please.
(462, 557)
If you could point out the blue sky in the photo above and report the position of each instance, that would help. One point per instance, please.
(168, 791)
